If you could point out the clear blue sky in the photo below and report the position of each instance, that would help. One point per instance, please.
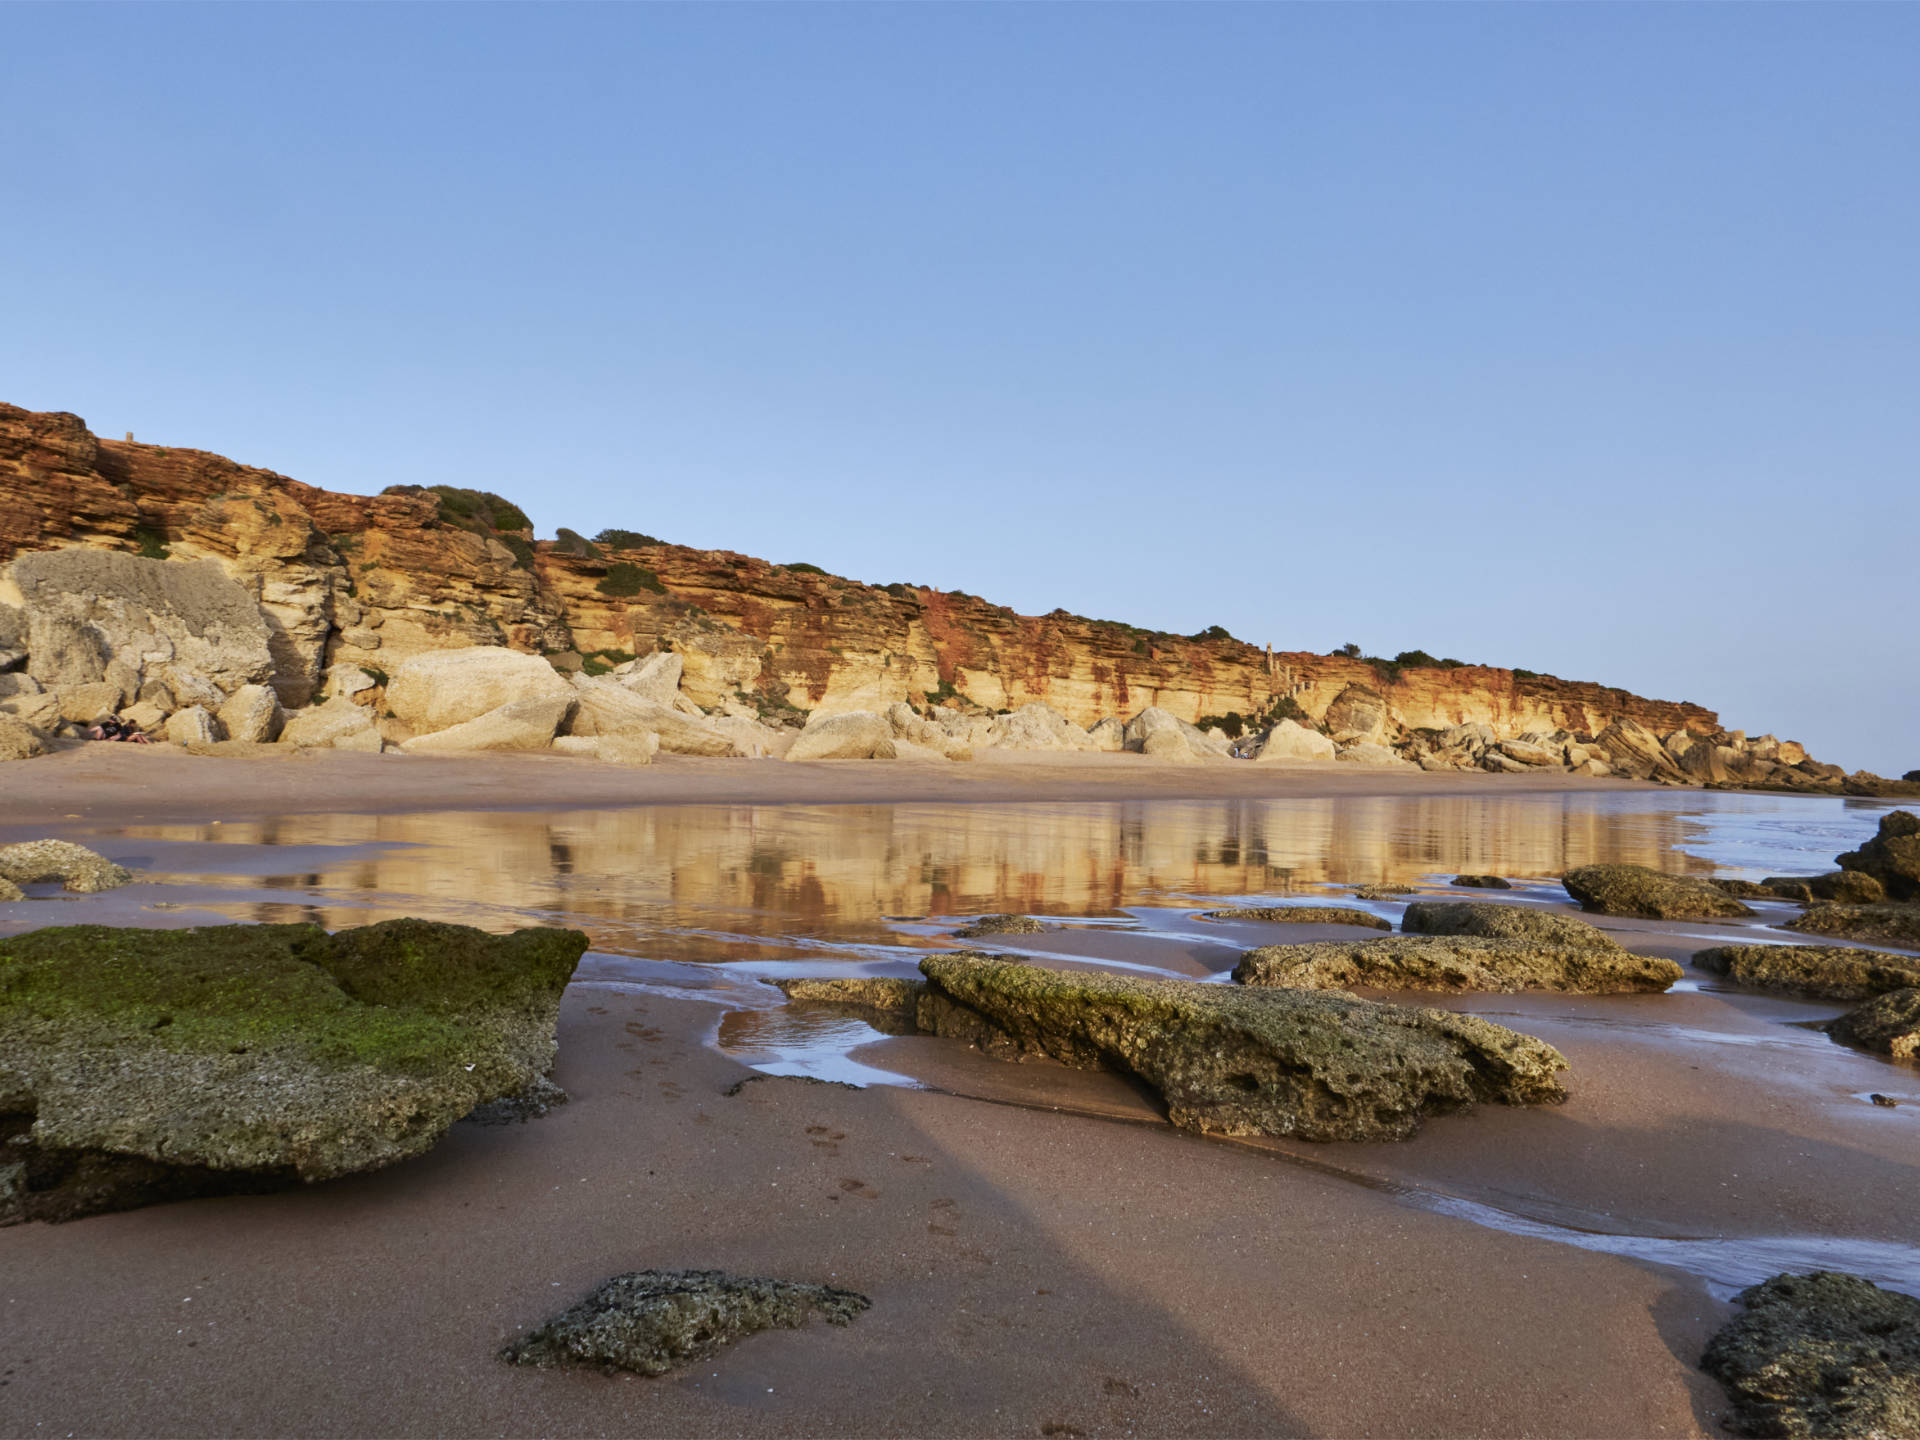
(1581, 338)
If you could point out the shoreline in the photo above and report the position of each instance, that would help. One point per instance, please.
(107, 783)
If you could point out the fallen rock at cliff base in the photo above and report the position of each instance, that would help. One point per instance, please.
(1888, 1024)
(1455, 963)
(1289, 740)
(78, 869)
(18, 740)
(853, 735)
(338, 724)
(1830, 972)
(1821, 1355)
(1649, 894)
(1321, 1065)
(440, 689)
(1139, 733)
(649, 1321)
(1303, 915)
(1500, 922)
(518, 725)
(1039, 727)
(252, 714)
(144, 1065)
(1885, 924)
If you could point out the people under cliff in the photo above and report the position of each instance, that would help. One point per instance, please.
(112, 727)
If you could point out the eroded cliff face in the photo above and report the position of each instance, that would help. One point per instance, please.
(371, 580)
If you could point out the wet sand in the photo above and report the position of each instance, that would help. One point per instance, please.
(1045, 1255)
(102, 781)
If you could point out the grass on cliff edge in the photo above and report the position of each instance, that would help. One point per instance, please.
(400, 996)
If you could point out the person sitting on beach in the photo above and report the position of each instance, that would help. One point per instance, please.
(112, 727)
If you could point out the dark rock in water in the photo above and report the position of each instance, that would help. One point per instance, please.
(1481, 882)
(1455, 963)
(1886, 924)
(999, 925)
(1650, 894)
(1821, 1355)
(650, 1321)
(1888, 1025)
(1501, 922)
(1322, 1065)
(1831, 972)
(1848, 887)
(1383, 892)
(1885, 1101)
(1303, 915)
(1892, 857)
(145, 1065)
(78, 869)
(1743, 889)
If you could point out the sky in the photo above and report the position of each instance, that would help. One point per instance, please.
(1582, 338)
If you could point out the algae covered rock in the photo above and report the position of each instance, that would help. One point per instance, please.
(1831, 972)
(1887, 924)
(1650, 894)
(1230, 1061)
(1481, 882)
(1821, 1355)
(79, 869)
(150, 1064)
(1303, 915)
(1455, 963)
(1888, 1025)
(649, 1321)
(1383, 892)
(999, 925)
(1500, 922)
(10, 892)
(889, 1003)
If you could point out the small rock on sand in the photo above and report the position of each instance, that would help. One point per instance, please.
(79, 869)
(999, 925)
(649, 1321)
(1481, 882)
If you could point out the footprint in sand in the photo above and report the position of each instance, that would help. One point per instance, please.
(859, 1188)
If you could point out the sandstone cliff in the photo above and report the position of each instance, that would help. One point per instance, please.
(373, 580)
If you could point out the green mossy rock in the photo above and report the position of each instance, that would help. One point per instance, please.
(1303, 915)
(1493, 921)
(1821, 1355)
(1481, 882)
(1320, 1065)
(1830, 972)
(1455, 963)
(650, 1321)
(1885, 924)
(1649, 894)
(999, 925)
(1888, 1025)
(234, 1056)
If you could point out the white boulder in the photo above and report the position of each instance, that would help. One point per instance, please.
(439, 689)
(854, 735)
(1290, 740)
(518, 725)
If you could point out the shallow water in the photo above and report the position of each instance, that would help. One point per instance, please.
(705, 902)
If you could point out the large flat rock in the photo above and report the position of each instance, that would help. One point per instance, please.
(1455, 963)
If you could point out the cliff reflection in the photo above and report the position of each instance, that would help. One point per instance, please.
(720, 878)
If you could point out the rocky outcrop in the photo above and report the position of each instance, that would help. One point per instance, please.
(652, 1321)
(1650, 894)
(1290, 741)
(1159, 732)
(1231, 1061)
(1455, 963)
(19, 740)
(1892, 857)
(78, 869)
(1876, 924)
(1821, 1355)
(1500, 922)
(441, 689)
(142, 1065)
(1829, 972)
(1888, 1025)
(1303, 915)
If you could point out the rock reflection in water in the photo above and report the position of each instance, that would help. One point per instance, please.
(723, 879)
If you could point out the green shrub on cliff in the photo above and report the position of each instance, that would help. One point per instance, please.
(625, 539)
(624, 580)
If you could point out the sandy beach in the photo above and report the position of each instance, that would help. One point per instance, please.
(1046, 1256)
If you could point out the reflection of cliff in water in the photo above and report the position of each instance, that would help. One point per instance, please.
(836, 871)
